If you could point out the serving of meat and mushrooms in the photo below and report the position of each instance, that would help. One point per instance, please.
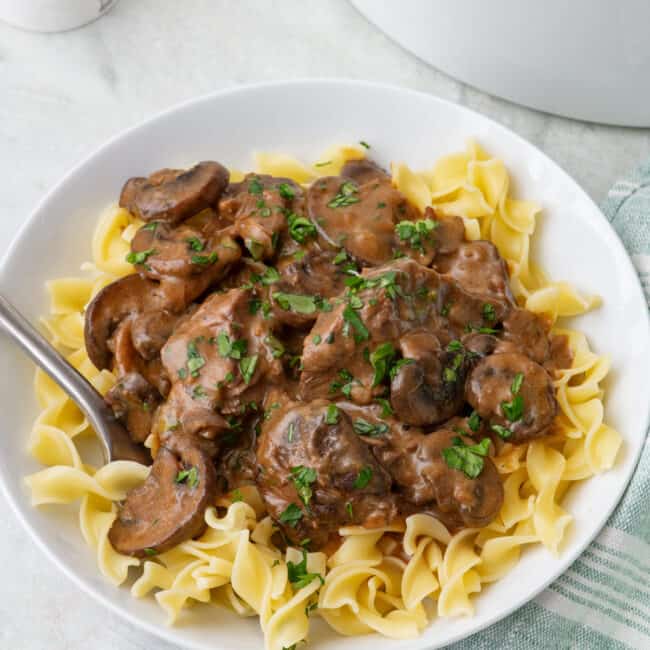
(355, 359)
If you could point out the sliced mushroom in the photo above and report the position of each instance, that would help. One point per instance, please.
(134, 401)
(480, 271)
(516, 410)
(316, 473)
(364, 171)
(124, 297)
(169, 507)
(173, 195)
(428, 387)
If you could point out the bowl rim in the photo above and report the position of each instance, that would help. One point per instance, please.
(569, 555)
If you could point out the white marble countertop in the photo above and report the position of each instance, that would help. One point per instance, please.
(62, 95)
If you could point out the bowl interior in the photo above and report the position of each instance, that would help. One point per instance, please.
(574, 242)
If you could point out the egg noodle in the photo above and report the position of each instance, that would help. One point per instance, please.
(391, 580)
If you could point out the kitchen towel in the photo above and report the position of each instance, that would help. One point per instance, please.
(603, 600)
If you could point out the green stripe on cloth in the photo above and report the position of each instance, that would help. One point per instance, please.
(603, 599)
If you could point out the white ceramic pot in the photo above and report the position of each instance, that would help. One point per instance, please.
(588, 59)
(52, 15)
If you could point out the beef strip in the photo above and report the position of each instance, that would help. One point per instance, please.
(261, 208)
(415, 462)
(390, 302)
(360, 218)
(174, 194)
(346, 486)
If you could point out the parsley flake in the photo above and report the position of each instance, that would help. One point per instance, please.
(469, 459)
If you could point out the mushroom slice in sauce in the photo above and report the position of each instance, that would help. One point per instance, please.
(168, 508)
(416, 463)
(261, 208)
(479, 269)
(316, 473)
(363, 171)
(134, 401)
(514, 395)
(173, 195)
(428, 387)
(124, 297)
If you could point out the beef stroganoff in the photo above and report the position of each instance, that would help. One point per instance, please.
(359, 400)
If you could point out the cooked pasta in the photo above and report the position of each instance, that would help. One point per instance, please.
(388, 580)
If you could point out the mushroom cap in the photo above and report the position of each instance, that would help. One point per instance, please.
(174, 195)
(169, 507)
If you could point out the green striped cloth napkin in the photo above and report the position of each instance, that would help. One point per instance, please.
(603, 600)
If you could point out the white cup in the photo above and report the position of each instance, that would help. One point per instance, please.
(52, 15)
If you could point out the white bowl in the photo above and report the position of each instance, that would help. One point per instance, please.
(575, 242)
(586, 59)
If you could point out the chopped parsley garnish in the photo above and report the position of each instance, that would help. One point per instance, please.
(298, 255)
(316, 339)
(455, 346)
(204, 260)
(380, 360)
(291, 515)
(348, 509)
(489, 313)
(445, 309)
(386, 408)
(255, 186)
(345, 196)
(296, 302)
(415, 233)
(247, 367)
(194, 359)
(291, 430)
(356, 283)
(300, 228)
(302, 478)
(352, 319)
(481, 330)
(365, 145)
(195, 244)
(229, 348)
(340, 257)
(236, 495)
(152, 225)
(363, 478)
(141, 256)
(332, 415)
(150, 551)
(344, 382)
(501, 431)
(515, 387)
(269, 276)
(514, 409)
(298, 575)
(188, 476)
(286, 191)
(277, 348)
(449, 375)
(182, 373)
(474, 421)
(364, 428)
(323, 164)
(395, 368)
(198, 391)
(469, 459)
